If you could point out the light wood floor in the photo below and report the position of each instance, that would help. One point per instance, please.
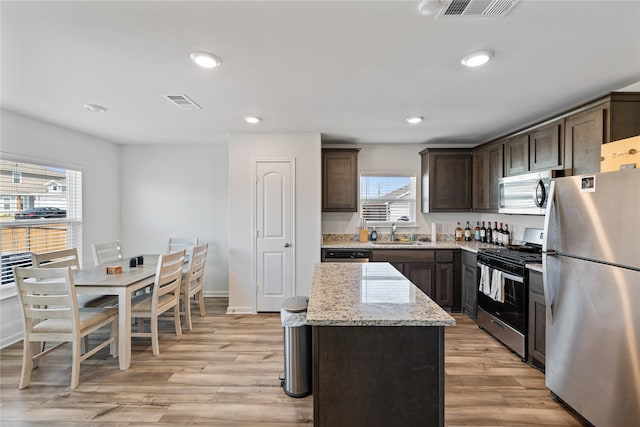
(225, 373)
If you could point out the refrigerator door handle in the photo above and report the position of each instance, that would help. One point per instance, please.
(549, 287)
(539, 194)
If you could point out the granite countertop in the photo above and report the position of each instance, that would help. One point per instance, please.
(369, 294)
(467, 246)
(535, 267)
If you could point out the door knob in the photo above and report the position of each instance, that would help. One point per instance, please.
(286, 245)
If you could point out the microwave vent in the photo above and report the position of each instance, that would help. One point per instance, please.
(475, 8)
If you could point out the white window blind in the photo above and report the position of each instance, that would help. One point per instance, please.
(386, 197)
(25, 223)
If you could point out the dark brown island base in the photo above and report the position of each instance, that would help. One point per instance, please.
(378, 348)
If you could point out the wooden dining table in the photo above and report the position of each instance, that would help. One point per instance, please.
(95, 280)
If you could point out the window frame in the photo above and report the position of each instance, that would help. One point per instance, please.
(413, 207)
(73, 220)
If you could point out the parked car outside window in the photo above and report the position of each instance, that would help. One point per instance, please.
(44, 212)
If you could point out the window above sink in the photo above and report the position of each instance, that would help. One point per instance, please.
(388, 197)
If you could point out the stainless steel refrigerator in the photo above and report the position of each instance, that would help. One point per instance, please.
(591, 261)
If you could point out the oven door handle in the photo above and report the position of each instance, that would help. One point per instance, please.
(517, 279)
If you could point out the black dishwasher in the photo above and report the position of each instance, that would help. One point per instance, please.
(345, 255)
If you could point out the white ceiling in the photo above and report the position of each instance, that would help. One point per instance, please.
(351, 70)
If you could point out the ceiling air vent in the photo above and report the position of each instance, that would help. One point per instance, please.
(183, 102)
(475, 8)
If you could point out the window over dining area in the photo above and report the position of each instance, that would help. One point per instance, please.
(41, 211)
(387, 197)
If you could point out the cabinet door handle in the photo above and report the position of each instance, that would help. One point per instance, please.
(286, 245)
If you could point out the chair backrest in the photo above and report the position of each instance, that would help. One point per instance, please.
(178, 243)
(48, 294)
(56, 259)
(196, 266)
(106, 252)
(168, 276)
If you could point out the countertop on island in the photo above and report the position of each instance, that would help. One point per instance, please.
(369, 294)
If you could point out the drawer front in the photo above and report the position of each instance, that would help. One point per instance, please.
(399, 255)
(444, 256)
(469, 258)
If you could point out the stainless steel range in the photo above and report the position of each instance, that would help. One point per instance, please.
(505, 315)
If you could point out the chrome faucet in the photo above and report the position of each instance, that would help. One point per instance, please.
(394, 228)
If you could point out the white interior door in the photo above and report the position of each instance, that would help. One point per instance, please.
(274, 233)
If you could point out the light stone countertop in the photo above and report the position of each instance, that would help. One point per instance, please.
(467, 246)
(369, 294)
(535, 267)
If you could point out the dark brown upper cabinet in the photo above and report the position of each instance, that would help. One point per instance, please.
(545, 147)
(570, 141)
(488, 168)
(446, 180)
(517, 155)
(613, 117)
(339, 180)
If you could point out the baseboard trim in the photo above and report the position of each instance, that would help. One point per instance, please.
(240, 310)
(10, 340)
(216, 294)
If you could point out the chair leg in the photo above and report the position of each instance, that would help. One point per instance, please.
(113, 348)
(201, 303)
(27, 363)
(37, 348)
(176, 318)
(187, 311)
(75, 360)
(154, 335)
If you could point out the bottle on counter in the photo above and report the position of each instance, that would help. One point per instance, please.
(476, 232)
(458, 233)
(496, 234)
(506, 237)
(501, 235)
(467, 233)
(489, 235)
(483, 233)
(374, 235)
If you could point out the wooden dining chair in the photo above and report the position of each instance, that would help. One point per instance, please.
(50, 313)
(187, 243)
(164, 296)
(104, 253)
(192, 283)
(69, 258)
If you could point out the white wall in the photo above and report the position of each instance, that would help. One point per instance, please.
(97, 158)
(406, 158)
(177, 191)
(244, 149)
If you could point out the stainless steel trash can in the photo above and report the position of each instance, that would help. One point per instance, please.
(296, 378)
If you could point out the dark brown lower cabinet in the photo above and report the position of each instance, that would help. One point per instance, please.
(374, 376)
(435, 272)
(469, 284)
(537, 320)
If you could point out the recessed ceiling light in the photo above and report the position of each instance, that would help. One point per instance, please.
(252, 119)
(95, 108)
(415, 120)
(206, 59)
(476, 59)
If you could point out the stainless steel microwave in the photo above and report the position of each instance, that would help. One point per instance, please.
(525, 194)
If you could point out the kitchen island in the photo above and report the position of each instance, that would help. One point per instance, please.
(378, 348)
